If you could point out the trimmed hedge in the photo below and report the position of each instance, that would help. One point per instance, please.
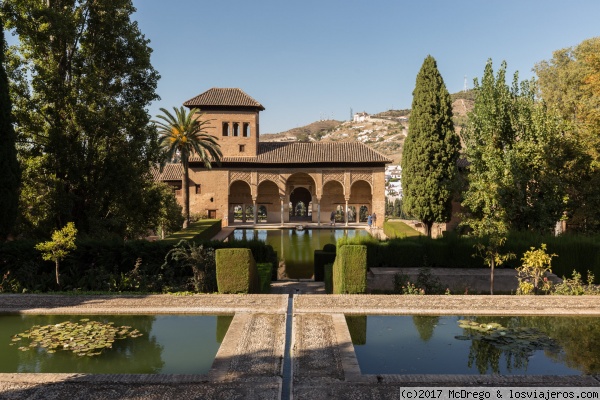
(357, 326)
(236, 271)
(199, 231)
(328, 278)
(111, 265)
(350, 270)
(322, 257)
(265, 271)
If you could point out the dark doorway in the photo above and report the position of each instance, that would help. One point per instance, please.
(301, 203)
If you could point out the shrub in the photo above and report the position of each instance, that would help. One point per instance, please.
(350, 270)
(328, 278)
(198, 261)
(322, 257)
(575, 286)
(236, 271)
(264, 275)
(536, 263)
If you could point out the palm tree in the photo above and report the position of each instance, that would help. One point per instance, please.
(185, 134)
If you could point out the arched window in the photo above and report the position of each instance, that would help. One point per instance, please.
(236, 129)
(225, 128)
(262, 214)
(246, 130)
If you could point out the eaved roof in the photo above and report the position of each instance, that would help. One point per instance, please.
(310, 153)
(170, 172)
(228, 97)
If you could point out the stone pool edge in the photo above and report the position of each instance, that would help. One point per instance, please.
(268, 312)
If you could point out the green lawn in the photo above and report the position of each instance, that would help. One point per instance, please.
(198, 231)
(394, 228)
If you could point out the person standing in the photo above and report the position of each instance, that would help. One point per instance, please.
(369, 221)
(374, 218)
(333, 218)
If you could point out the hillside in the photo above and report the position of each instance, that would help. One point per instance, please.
(385, 132)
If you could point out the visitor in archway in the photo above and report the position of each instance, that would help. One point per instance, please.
(369, 221)
(333, 218)
(374, 219)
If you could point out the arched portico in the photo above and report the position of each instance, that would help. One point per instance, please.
(241, 207)
(268, 200)
(361, 200)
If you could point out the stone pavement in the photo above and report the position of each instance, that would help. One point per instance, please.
(249, 363)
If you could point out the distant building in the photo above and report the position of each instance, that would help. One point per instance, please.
(393, 182)
(361, 117)
(267, 182)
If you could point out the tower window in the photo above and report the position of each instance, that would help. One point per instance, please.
(225, 128)
(242, 148)
(246, 130)
(236, 129)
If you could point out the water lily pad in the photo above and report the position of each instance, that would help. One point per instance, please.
(84, 338)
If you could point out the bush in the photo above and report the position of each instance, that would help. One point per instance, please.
(322, 257)
(328, 278)
(350, 270)
(264, 275)
(236, 271)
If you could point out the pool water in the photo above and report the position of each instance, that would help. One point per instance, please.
(294, 248)
(171, 344)
(437, 345)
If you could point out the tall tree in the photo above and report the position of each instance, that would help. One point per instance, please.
(10, 174)
(516, 152)
(184, 134)
(570, 83)
(81, 82)
(430, 151)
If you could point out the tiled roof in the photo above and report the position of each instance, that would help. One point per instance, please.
(230, 97)
(294, 153)
(170, 172)
(310, 153)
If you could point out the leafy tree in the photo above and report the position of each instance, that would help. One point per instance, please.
(81, 81)
(517, 154)
(63, 241)
(184, 134)
(570, 83)
(430, 150)
(170, 217)
(10, 174)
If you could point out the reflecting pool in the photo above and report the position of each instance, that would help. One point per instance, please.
(295, 248)
(441, 345)
(170, 344)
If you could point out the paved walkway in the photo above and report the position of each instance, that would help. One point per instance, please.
(249, 364)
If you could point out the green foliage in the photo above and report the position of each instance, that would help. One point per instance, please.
(236, 271)
(575, 287)
(350, 270)
(81, 81)
(328, 278)
(398, 229)
(264, 275)
(63, 241)
(198, 259)
(10, 176)
(536, 263)
(570, 83)
(169, 217)
(516, 151)
(84, 338)
(199, 231)
(322, 258)
(426, 283)
(402, 285)
(430, 151)
(184, 135)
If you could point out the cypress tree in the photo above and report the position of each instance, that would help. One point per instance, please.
(430, 151)
(10, 174)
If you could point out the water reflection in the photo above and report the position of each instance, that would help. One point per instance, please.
(170, 344)
(295, 248)
(430, 345)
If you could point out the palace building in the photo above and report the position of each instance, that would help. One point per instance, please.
(275, 183)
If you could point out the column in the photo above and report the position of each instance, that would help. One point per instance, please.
(346, 212)
(255, 211)
(318, 212)
(281, 198)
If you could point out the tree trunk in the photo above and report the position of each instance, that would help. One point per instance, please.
(492, 276)
(428, 226)
(57, 275)
(185, 184)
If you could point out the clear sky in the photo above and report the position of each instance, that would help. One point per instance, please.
(312, 59)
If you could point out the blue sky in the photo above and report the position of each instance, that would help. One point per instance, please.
(312, 59)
